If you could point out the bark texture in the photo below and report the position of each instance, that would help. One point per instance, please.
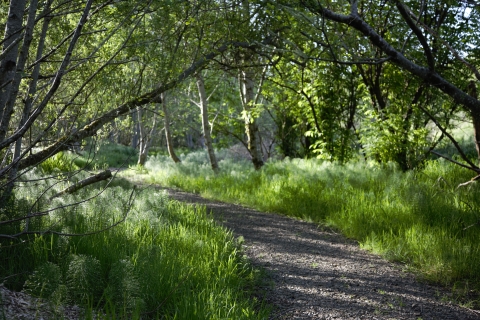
(168, 134)
(8, 65)
(205, 124)
(472, 90)
(247, 91)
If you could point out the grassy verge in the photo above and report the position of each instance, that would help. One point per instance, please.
(94, 155)
(418, 218)
(165, 261)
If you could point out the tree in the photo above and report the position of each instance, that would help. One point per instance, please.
(75, 90)
(12, 69)
(432, 68)
(168, 134)
(203, 105)
(68, 68)
(146, 138)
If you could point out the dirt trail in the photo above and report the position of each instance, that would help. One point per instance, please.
(318, 274)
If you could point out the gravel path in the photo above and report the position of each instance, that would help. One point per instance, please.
(319, 274)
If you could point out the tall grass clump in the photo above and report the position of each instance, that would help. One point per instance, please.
(105, 154)
(419, 217)
(166, 260)
(61, 162)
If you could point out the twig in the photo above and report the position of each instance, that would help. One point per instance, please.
(468, 182)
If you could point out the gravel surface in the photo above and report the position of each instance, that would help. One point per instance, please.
(319, 274)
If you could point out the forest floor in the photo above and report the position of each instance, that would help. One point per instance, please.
(316, 273)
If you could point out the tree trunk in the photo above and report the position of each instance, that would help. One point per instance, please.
(142, 141)
(19, 70)
(145, 138)
(12, 38)
(135, 129)
(32, 89)
(55, 84)
(8, 66)
(205, 123)
(472, 90)
(8, 92)
(251, 127)
(168, 134)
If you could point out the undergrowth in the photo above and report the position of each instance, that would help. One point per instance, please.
(419, 218)
(94, 155)
(166, 260)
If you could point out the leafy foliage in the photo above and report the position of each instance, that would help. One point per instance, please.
(61, 162)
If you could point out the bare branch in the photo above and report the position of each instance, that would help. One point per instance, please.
(113, 225)
(446, 44)
(452, 139)
(405, 12)
(456, 162)
(430, 77)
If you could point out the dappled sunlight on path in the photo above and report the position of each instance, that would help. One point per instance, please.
(319, 274)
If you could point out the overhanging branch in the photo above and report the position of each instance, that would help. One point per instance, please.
(152, 96)
(104, 175)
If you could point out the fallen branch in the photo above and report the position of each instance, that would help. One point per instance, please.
(79, 185)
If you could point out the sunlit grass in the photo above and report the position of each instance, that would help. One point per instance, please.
(419, 218)
(167, 260)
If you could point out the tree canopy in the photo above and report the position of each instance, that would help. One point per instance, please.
(385, 80)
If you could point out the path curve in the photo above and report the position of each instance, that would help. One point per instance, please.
(319, 274)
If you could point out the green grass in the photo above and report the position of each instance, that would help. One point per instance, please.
(167, 260)
(110, 155)
(92, 156)
(418, 218)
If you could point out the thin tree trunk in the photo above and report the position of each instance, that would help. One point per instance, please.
(145, 138)
(142, 155)
(59, 74)
(6, 142)
(8, 66)
(31, 92)
(205, 123)
(247, 94)
(19, 70)
(135, 129)
(251, 127)
(472, 90)
(168, 135)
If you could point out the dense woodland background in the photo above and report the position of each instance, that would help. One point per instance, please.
(90, 85)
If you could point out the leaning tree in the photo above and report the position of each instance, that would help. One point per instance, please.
(391, 42)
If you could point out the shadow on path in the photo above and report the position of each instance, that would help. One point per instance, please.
(317, 274)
